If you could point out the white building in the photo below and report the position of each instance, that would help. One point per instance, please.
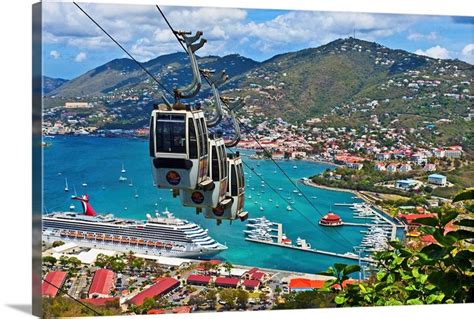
(437, 179)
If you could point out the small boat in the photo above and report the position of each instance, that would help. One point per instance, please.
(261, 208)
(270, 200)
(72, 207)
(295, 167)
(288, 208)
(84, 184)
(66, 187)
(280, 189)
(122, 178)
(277, 205)
(313, 197)
(250, 197)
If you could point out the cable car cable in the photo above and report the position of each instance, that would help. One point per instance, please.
(311, 222)
(72, 297)
(253, 136)
(124, 50)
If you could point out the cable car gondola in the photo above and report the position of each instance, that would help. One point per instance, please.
(218, 171)
(178, 134)
(235, 191)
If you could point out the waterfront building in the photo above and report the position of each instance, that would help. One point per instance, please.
(52, 283)
(330, 219)
(405, 184)
(251, 284)
(437, 179)
(161, 287)
(102, 284)
(198, 280)
(226, 282)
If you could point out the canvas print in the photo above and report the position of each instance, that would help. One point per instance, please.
(199, 159)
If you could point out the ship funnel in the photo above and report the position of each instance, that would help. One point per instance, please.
(87, 208)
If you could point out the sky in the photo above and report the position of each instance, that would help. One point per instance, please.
(73, 44)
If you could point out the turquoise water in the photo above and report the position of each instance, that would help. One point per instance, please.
(97, 161)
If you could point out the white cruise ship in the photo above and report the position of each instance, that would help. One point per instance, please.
(162, 235)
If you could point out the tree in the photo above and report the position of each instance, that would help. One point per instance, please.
(49, 260)
(64, 260)
(211, 297)
(196, 300)
(148, 303)
(227, 295)
(102, 261)
(75, 263)
(440, 272)
(58, 243)
(242, 298)
(228, 267)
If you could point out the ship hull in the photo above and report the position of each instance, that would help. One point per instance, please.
(200, 253)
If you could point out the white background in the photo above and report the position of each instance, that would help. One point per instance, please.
(15, 150)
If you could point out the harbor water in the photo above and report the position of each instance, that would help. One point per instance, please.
(96, 162)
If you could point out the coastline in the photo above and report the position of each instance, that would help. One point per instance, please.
(365, 197)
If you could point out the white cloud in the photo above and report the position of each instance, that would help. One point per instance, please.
(80, 57)
(436, 52)
(467, 53)
(141, 29)
(415, 36)
(54, 54)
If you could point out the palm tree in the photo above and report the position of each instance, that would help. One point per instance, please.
(228, 267)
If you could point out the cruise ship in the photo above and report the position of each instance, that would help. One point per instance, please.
(161, 235)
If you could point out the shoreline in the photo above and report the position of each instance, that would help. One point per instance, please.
(364, 197)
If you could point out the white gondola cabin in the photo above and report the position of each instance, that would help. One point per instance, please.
(179, 148)
(235, 191)
(218, 172)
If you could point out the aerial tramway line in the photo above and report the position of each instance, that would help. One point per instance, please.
(187, 135)
(189, 161)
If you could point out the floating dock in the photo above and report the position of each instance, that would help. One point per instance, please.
(311, 250)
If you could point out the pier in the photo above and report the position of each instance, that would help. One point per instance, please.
(311, 250)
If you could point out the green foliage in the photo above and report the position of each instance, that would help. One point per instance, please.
(307, 299)
(58, 243)
(438, 273)
(67, 307)
(49, 260)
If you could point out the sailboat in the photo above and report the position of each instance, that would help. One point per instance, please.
(66, 187)
(131, 183)
(72, 206)
(123, 169)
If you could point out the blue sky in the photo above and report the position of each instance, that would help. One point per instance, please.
(73, 44)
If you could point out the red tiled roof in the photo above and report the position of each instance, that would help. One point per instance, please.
(103, 282)
(56, 278)
(156, 312)
(304, 283)
(162, 286)
(251, 283)
(199, 278)
(409, 218)
(227, 281)
(182, 309)
(211, 262)
(99, 301)
(257, 275)
(251, 271)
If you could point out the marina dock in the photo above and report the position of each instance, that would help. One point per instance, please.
(310, 250)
